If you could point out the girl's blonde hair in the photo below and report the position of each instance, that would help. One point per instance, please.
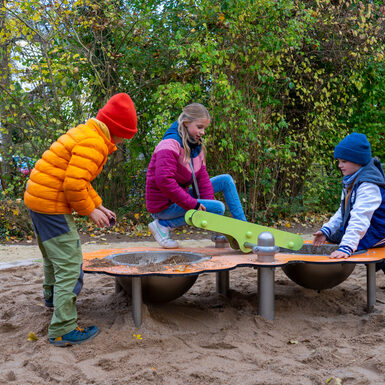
(191, 113)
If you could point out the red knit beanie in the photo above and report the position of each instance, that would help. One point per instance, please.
(119, 116)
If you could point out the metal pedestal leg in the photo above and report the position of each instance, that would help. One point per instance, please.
(118, 287)
(222, 282)
(222, 277)
(137, 300)
(266, 292)
(371, 285)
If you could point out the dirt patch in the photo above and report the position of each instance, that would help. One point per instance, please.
(101, 262)
(142, 262)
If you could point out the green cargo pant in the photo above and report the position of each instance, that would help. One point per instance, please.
(63, 275)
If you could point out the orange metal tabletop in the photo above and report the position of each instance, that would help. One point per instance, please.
(220, 260)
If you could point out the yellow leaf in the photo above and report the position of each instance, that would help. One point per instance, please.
(32, 337)
(16, 212)
(221, 17)
(137, 336)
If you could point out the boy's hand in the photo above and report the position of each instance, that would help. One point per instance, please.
(110, 214)
(319, 238)
(338, 254)
(99, 218)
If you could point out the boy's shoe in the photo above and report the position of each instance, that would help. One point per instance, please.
(48, 301)
(162, 235)
(76, 337)
(380, 266)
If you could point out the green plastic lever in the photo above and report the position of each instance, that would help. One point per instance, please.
(239, 232)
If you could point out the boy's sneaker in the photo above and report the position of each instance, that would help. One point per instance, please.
(48, 301)
(380, 266)
(162, 235)
(76, 337)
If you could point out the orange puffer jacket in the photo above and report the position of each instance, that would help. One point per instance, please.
(60, 181)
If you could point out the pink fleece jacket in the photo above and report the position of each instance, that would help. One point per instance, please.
(169, 178)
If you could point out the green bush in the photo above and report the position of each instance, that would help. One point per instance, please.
(15, 223)
(284, 81)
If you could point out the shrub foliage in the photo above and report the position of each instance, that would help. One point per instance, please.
(284, 81)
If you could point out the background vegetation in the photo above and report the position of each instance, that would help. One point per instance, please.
(284, 80)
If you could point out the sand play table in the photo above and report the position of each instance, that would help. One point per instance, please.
(114, 262)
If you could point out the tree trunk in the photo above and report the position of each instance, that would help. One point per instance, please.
(6, 136)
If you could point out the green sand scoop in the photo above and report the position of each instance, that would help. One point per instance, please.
(241, 235)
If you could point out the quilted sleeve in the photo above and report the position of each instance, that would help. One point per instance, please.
(95, 196)
(87, 160)
(165, 176)
(204, 184)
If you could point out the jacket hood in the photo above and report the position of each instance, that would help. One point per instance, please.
(172, 133)
(372, 173)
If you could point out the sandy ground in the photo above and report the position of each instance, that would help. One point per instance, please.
(199, 338)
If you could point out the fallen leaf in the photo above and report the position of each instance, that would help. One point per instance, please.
(137, 336)
(32, 337)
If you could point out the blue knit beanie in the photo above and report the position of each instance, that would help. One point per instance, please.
(354, 148)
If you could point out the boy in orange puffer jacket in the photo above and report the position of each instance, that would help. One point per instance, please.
(61, 183)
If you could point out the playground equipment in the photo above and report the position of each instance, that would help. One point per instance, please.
(157, 289)
(158, 275)
(318, 276)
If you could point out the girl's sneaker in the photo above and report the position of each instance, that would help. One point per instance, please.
(76, 337)
(162, 235)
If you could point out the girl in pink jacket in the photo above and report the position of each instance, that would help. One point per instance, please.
(177, 179)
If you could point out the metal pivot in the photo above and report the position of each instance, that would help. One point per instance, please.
(222, 277)
(371, 285)
(137, 300)
(266, 250)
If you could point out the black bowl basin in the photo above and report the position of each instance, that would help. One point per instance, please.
(155, 288)
(317, 276)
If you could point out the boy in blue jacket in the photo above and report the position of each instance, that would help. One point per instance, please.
(359, 222)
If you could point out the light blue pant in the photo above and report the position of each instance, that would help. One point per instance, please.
(173, 216)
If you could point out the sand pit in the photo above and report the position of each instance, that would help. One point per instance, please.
(200, 338)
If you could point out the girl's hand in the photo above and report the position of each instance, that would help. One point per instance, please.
(202, 208)
(99, 218)
(319, 238)
(339, 254)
